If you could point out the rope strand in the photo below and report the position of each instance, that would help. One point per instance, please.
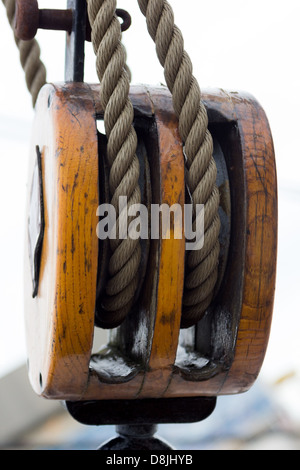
(202, 266)
(121, 153)
(35, 71)
(114, 77)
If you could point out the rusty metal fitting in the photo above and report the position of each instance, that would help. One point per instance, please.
(29, 18)
(125, 16)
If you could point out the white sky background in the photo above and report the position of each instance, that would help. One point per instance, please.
(236, 45)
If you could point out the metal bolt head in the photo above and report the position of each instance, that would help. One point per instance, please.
(29, 18)
(26, 19)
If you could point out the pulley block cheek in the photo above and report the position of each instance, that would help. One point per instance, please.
(60, 309)
(150, 353)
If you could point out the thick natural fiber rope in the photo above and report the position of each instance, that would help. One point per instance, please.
(35, 71)
(202, 265)
(121, 154)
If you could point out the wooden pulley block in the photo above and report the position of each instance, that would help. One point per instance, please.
(148, 356)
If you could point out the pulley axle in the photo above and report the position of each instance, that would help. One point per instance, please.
(29, 18)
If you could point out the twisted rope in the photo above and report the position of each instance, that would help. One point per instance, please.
(121, 154)
(113, 73)
(202, 265)
(35, 71)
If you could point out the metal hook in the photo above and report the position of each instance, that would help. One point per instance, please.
(125, 16)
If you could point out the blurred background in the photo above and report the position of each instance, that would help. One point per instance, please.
(251, 46)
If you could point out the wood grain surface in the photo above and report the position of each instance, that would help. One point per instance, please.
(225, 351)
(60, 320)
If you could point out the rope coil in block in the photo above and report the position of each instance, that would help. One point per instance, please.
(202, 265)
(121, 154)
(114, 77)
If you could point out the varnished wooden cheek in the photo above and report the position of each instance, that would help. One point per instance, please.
(60, 319)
